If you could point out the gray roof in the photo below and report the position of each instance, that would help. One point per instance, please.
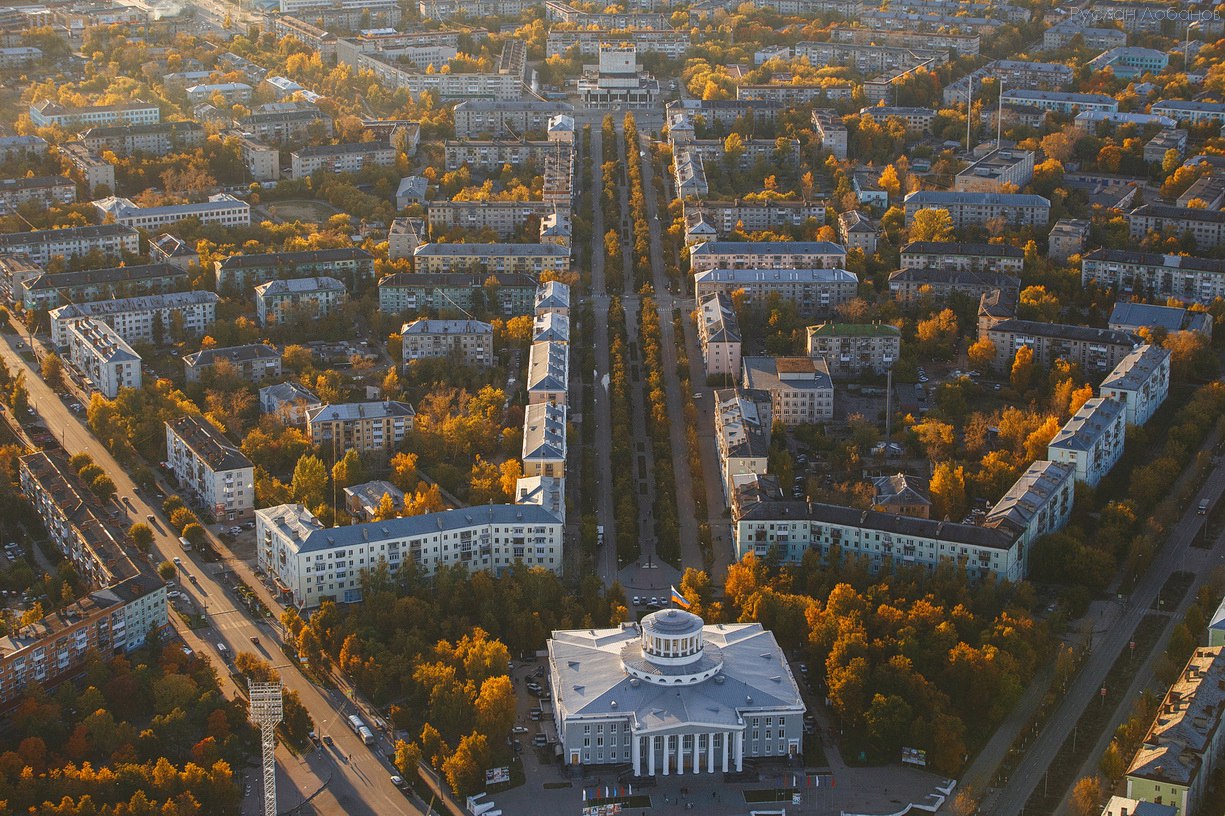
(426, 326)
(749, 276)
(293, 286)
(235, 354)
(1083, 430)
(1134, 370)
(956, 277)
(314, 537)
(371, 493)
(1136, 258)
(739, 420)
(20, 239)
(102, 277)
(492, 249)
(812, 373)
(172, 300)
(544, 432)
(105, 340)
(1035, 487)
(936, 198)
(719, 319)
(1165, 211)
(954, 248)
(264, 259)
(1061, 96)
(1064, 331)
(553, 295)
(342, 149)
(1178, 743)
(208, 443)
(290, 391)
(1146, 314)
(591, 680)
(548, 368)
(353, 411)
(951, 532)
(552, 326)
(900, 488)
(767, 248)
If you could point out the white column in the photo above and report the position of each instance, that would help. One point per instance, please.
(739, 751)
(636, 753)
(727, 738)
(651, 755)
(697, 760)
(667, 739)
(710, 752)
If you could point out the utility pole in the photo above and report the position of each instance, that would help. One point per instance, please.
(267, 711)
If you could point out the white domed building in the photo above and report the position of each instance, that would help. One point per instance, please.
(673, 695)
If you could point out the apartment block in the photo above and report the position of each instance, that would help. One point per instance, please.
(506, 218)
(998, 171)
(366, 427)
(915, 283)
(46, 191)
(903, 494)
(529, 259)
(287, 123)
(1207, 227)
(976, 209)
(289, 401)
(963, 257)
(108, 621)
(1060, 102)
(1092, 440)
(1038, 503)
(800, 388)
(93, 170)
(544, 440)
(22, 147)
(222, 209)
(780, 255)
(1067, 238)
(497, 85)
(1130, 62)
(476, 118)
(40, 246)
(719, 335)
(102, 356)
(1191, 112)
(1059, 35)
(831, 131)
(1141, 382)
(789, 529)
(548, 373)
(813, 291)
(467, 341)
(1183, 746)
(505, 294)
(617, 80)
(668, 42)
(1151, 274)
(917, 120)
(853, 349)
(340, 158)
(143, 319)
(1095, 350)
(52, 114)
(351, 265)
(1129, 316)
(210, 469)
(551, 328)
(263, 161)
(311, 563)
(298, 298)
(154, 139)
(742, 436)
(490, 155)
(254, 362)
(552, 297)
(857, 231)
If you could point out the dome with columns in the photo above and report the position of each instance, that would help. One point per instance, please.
(671, 650)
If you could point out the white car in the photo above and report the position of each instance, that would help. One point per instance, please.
(519, 729)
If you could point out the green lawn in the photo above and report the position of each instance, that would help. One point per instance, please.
(766, 795)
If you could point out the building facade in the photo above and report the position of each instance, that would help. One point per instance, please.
(853, 349)
(976, 209)
(1141, 382)
(528, 259)
(298, 298)
(1153, 275)
(800, 388)
(719, 335)
(145, 319)
(353, 266)
(106, 360)
(254, 362)
(40, 246)
(1095, 350)
(1092, 440)
(466, 341)
(506, 294)
(366, 427)
(813, 291)
(766, 255)
(210, 469)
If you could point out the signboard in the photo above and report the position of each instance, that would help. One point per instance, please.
(494, 776)
(914, 756)
(603, 810)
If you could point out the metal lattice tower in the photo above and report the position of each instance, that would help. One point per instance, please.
(267, 710)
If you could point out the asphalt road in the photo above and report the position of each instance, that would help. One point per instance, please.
(359, 780)
(1088, 683)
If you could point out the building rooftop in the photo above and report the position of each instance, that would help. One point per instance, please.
(951, 532)
(1064, 331)
(16, 239)
(355, 411)
(1028, 494)
(854, 330)
(1179, 213)
(461, 280)
(551, 327)
(424, 326)
(265, 259)
(491, 249)
(370, 494)
(1082, 431)
(102, 277)
(170, 300)
(1061, 96)
(1134, 370)
(936, 197)
(553, 295)
(767, 248)
(776, 276)
(720, 324)
(104, 340)
(1174, 749)
(548, 367)
(900, 488)
(1137, 258)
(300, 524)
(340, 149)
(544, 433)
(286, 392)
(955, 277)
(1171, 318)
(787, 373)
(743, 665)
(298, 286)
(953, 248)
(208, 443)
(235, 354)
(740, 419)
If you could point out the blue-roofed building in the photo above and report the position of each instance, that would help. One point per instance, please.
(311, 563)
(1131, 317)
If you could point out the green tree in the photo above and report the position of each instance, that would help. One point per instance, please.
(53, 371)
(167, 570)
(141, 535)
(310, 479)
(931, 225)
(346, 472)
